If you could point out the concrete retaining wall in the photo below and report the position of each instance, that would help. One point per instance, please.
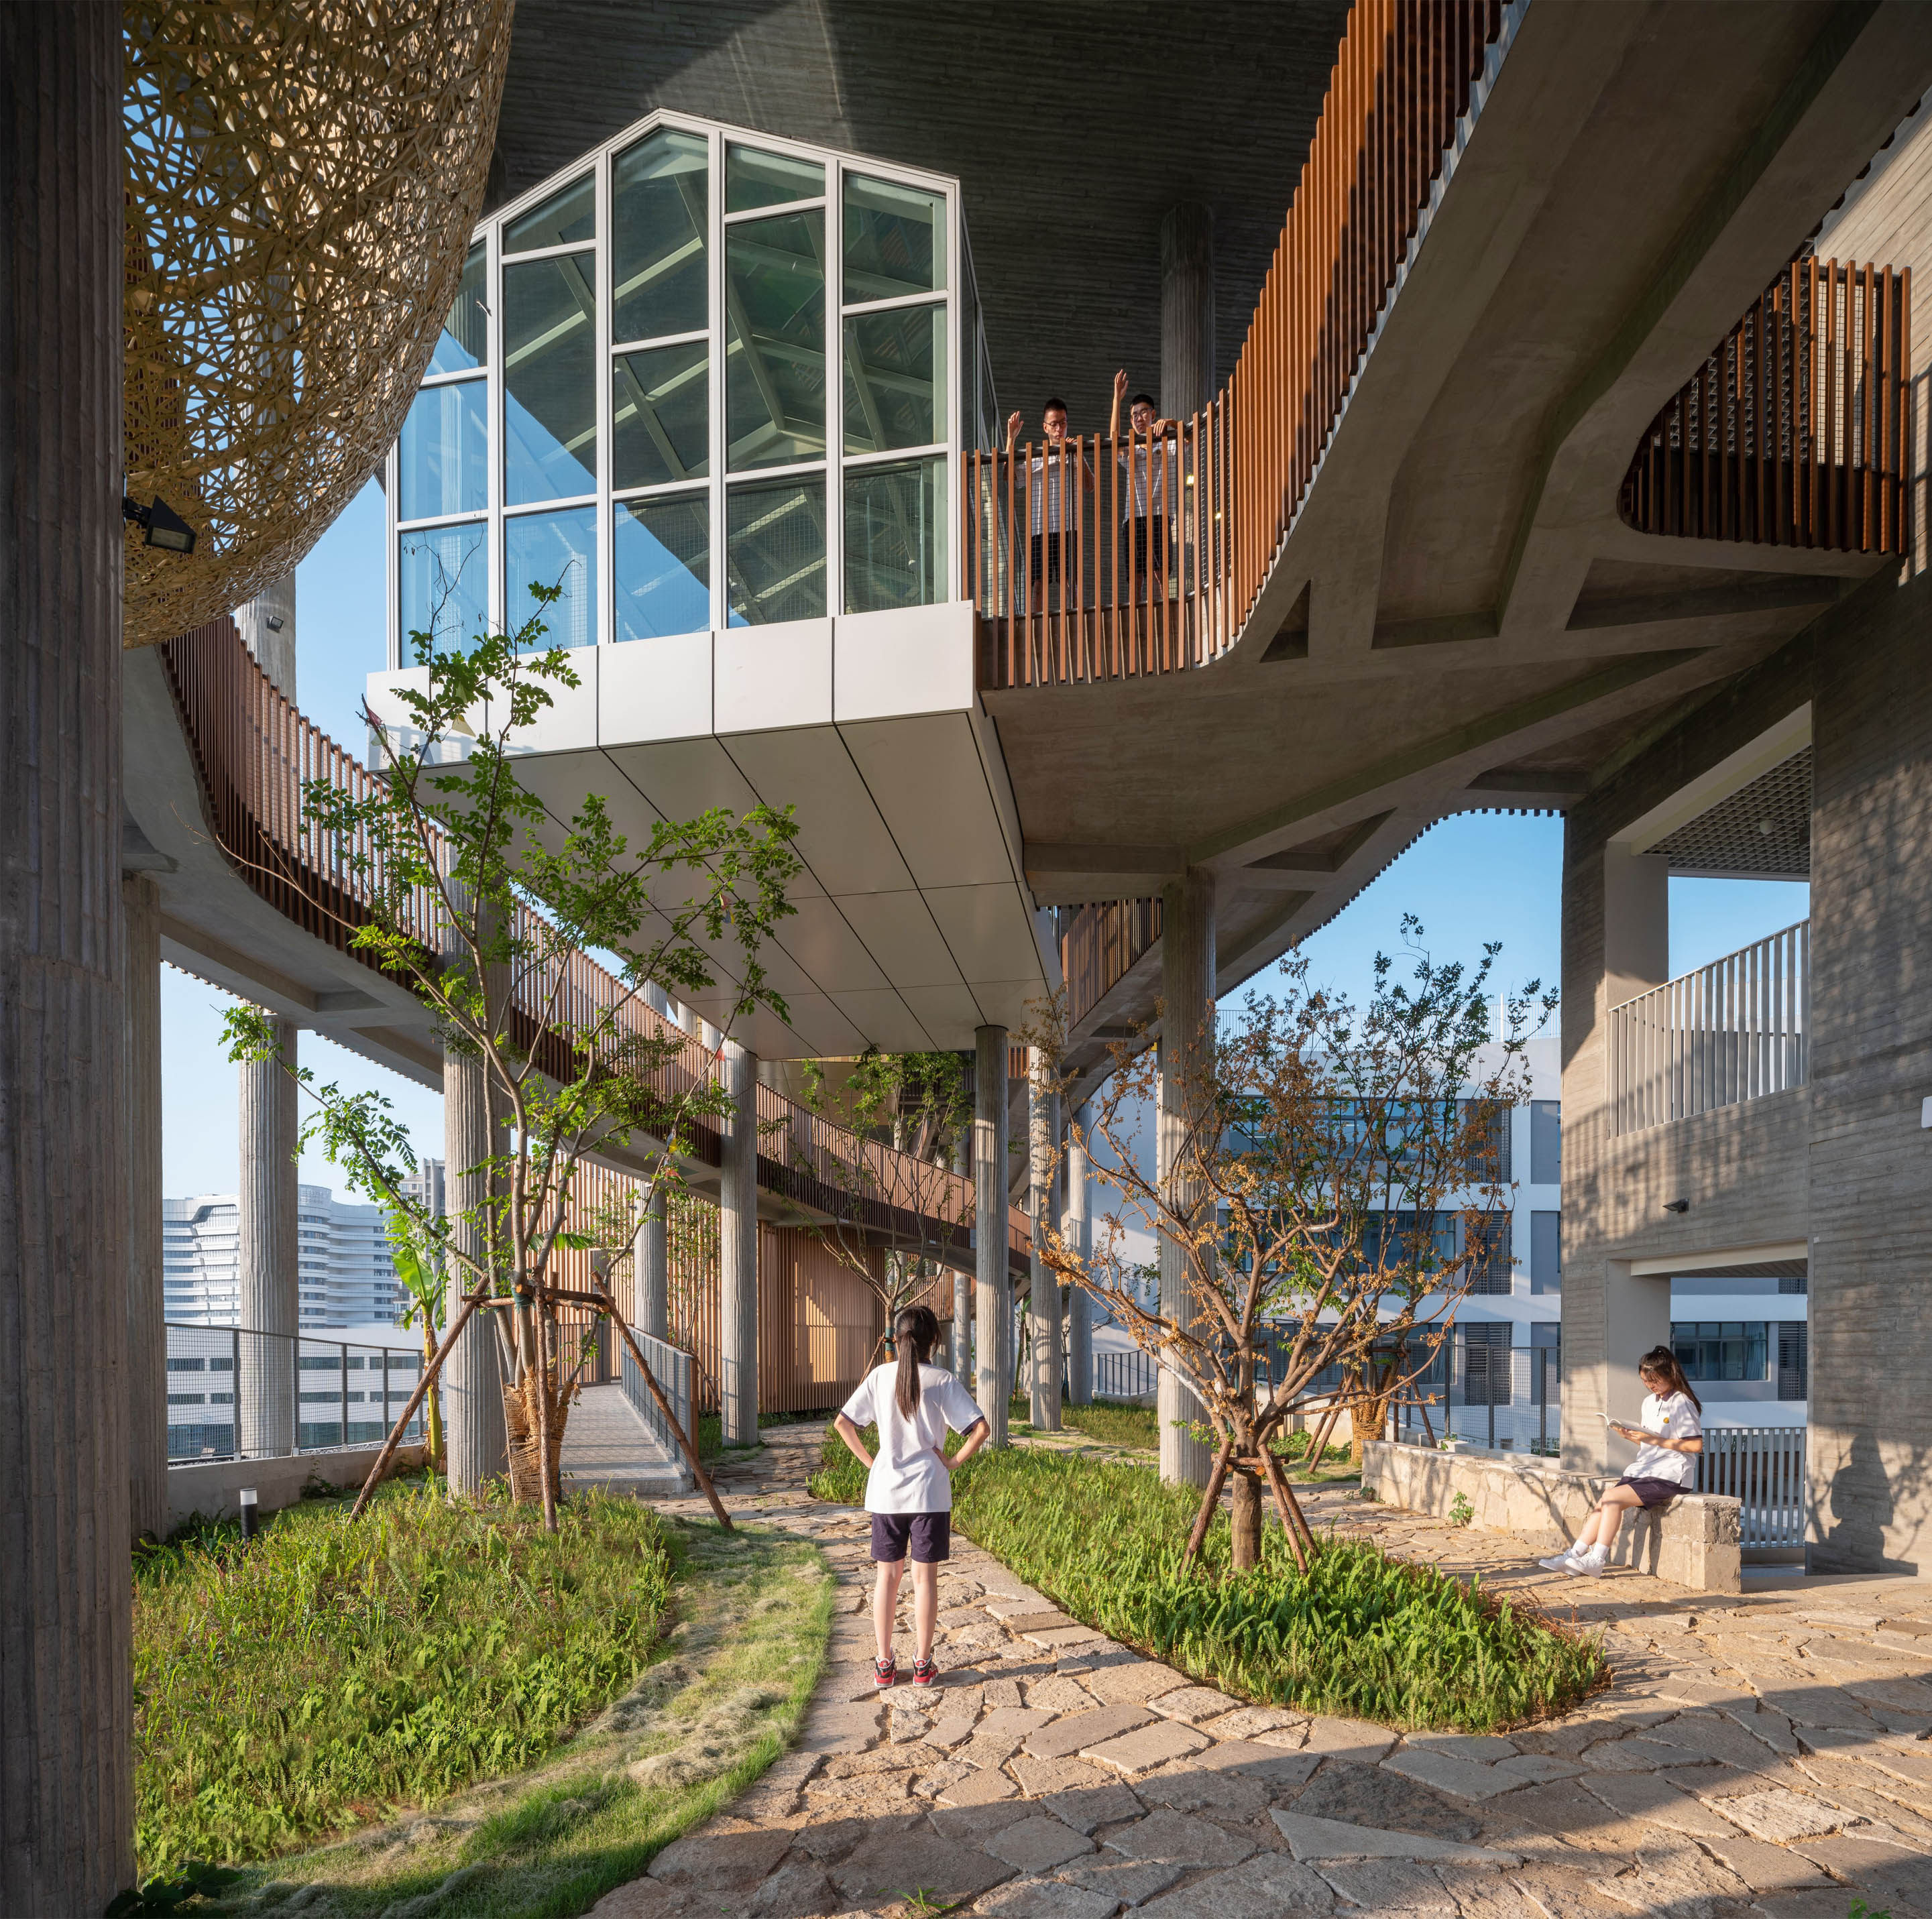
(209, 1486)
(1692, 1542)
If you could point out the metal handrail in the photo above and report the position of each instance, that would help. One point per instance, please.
(1736, 1030)
(674, 1369)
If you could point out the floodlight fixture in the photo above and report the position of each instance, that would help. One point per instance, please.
(160, 525)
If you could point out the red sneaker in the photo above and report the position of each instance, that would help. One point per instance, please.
(924, 1672)
(885, 1671)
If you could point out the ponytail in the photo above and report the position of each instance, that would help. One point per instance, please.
(1662, 1362)
(915, 1332)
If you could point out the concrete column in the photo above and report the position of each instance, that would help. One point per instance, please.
(1075, 1230)
(1043, 1306)
(477, 1443)
(962, 1292)
(1636, 924)
(652, 1267)
(147, 1331)
(1186, 1064)
(993, 1296)
(268, 628)
(1187, 310)
(67, 1806)
(270, 1252)
(738, 1253)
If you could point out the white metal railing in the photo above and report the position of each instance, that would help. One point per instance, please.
(673, 1366)
(1736, 1030)
(1762, 1467)
(1125, 1375)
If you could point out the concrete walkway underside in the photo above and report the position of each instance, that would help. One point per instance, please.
(1757, 1756)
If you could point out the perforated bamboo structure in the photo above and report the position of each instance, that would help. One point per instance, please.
(303, 176)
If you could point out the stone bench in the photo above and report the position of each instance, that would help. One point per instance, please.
(1692, 1542)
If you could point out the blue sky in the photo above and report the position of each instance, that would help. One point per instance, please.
(1474, 878)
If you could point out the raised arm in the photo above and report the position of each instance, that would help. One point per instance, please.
(1014, 423)
(1120, 393)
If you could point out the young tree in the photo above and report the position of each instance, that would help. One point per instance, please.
(491, 913)
(899, 1206)
(428, 1292)
(1332, 1178)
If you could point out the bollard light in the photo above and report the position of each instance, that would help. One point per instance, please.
(246, 1498)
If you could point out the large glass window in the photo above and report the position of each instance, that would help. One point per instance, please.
(1720, 1349)
(550, 351)
(894, 379)
(662, 553)
(553, 550)
(775, 551)
(661, 415)
(895, 240)
(895, 523)
(444, 575)
(658, 217)
(464, 341)
(567, 216)
(443, 465)
(755, 179)
(775, 363)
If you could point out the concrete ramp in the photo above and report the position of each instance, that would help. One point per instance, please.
(606, 1444)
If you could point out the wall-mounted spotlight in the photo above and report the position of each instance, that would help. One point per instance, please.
(160, 525)
(1677, 1206)
(273, 622)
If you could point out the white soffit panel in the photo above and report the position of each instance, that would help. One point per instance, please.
(818, 938)
(987, 928)
(1012, 1004)
(900, 932)
(885, 1020)
(840, 835)
(927, 780)
(1732, 1256)
(826, 1032)
(949, 1013)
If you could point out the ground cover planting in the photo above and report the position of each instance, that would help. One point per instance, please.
(1360, 1636)
(327, 1672)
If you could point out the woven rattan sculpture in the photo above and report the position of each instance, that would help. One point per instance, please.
(302, 179)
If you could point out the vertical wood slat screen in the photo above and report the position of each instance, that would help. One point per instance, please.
(1794, 432)
(1101, 943)
(1736, 1030)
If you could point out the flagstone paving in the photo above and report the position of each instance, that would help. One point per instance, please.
(1763, 1754)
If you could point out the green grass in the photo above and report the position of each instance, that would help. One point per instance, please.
(1361, 1635)
(1123, 1422)
(329, 1672)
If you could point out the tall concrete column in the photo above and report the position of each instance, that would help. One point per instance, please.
(738, 1252)
(1186, 1067)
(993, 1299)
(962, 1293)
(1043, 1307)
(1187, 310)
(651, 1264)
(267, 624)
(67, 1813)
(1074, 1231)
(147, 1330)
(270, 1252)
(476, 1440)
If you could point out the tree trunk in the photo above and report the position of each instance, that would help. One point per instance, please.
(1246, 1519)
(526, 1416)
(67, 1802)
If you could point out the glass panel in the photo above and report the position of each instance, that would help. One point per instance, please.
(662, 557)
(775, 551)
(445, 578)
(553, 550)
(895, 378)
(895, 240)
(465, 340)
(443, 459)
(774, 365)
(549, 411)
(894, 535)
(569, 215)
(661, 415)
(752, 178)
(658, 221)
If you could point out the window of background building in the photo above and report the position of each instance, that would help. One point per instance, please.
(1486, 1368)
(1490, 1268)
(1794, 1360)
(1546, 1252)
(1720, 1349)
(1546, 1142)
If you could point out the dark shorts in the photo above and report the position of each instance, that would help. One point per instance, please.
(929, 1535)
(1649, 1492)
(1143, 546)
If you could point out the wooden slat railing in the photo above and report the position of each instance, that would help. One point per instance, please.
(1101, 943)
(256, 755)
(1794, 432)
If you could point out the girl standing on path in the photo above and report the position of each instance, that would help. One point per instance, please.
(909, 1485)
(1669, 1432)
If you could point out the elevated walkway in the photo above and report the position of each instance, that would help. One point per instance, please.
(605, 1444)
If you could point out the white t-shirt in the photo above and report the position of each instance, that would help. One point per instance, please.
(1676, 1418)
(908, 1474)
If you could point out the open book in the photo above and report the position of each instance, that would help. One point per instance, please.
(1640, 1431)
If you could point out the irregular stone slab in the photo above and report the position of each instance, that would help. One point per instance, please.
(1887, 1873)
(1484, 1892)
(1715, 1738)
(886, 1868)
(1250, 1722)
(1698, 1692)
(1058, 1693)
(1678, 1880)
(952, 1729)
(1151, 1746)
(1038, 1844)
(879, 1759)
(1766, 1868)
(863, 1797)
(1579, 1821)
(1178, 1838)
(1765, 1724)
(978, 1788)
(1005, 1597)
(1268, 1765)
(1267, 1887)
(1909, 1695)
(721, 1862)
(1392, 1885)
(1633, 1755)
(1536, 1768)
(830, 1839)
(1778, 1813)
(1484, 1748)
(841, 1728)
(1311, 1839)
(1054, 1637)
(930, 1785)
(1367, 1796)
(1134, 1679)
(1647, 1796)
(1348, 1739)
(1822, 1706)
(1044, 1899)
(1187, 1787)
(1450, 1774)
(974, 1822)
(1078, 1731)
(1194, 1703)
(1022, 1622)
(1087, 1808)
(1128, 1881)
(796, 1890)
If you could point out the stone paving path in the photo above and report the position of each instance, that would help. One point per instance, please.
(1756, 1755)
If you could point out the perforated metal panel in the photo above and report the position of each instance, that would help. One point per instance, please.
(1763, 829)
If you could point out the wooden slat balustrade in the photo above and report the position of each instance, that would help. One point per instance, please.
(1101, 943)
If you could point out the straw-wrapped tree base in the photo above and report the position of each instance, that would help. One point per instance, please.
(521, 1416)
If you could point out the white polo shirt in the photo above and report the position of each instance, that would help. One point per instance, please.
(908, 1472)
(1676, 1418)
